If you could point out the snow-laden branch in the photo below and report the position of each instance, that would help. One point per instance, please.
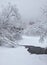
(9, 42)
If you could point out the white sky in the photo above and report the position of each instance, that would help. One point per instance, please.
(28, 8)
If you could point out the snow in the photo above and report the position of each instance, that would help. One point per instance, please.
(33, 40)
(20, 56)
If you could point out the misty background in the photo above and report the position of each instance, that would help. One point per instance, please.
(28, 9)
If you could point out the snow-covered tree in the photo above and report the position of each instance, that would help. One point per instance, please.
(11, 26)
(43, 25)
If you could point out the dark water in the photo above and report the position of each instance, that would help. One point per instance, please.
(36, 50)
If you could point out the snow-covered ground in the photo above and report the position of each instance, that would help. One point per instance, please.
(20, 56)
(34, 40)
